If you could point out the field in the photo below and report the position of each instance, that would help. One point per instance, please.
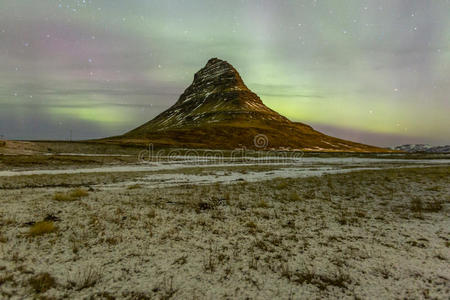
(105, 227)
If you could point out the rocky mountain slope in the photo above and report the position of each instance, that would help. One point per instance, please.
(414, 148)
(219, 111)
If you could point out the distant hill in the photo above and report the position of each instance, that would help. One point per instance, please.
(414, 148)
(218, 111)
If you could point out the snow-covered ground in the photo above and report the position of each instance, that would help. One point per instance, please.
(229, 177)
(372, 234)
(300, 164)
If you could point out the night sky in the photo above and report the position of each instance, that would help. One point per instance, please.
(376, 72)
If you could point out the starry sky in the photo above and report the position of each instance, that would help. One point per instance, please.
(373, 71)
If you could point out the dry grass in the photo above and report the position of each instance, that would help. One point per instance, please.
(41, 228)
(3, 239)
(87, 277)
(5, 278)
(282, 184)
(166, 289)
(239, 241)
(42, 282)
(416, 205)
(251, 224)
(70, 196)
(62, 197)
(434, 206)
(78, 193)
(419, 207)
(293, 196)
(134, 187)
(262, 204)
(151, 214)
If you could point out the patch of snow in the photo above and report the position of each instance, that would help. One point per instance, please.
(179, 162)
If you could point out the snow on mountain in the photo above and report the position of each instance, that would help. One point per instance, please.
(413, 148)
(218, 111)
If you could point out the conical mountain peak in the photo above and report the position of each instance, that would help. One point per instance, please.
(216, 76)
(216, 68)
(217, 94)
(218, 111)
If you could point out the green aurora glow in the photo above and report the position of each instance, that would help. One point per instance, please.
(372, 71)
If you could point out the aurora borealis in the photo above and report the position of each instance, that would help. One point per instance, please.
(375, 72)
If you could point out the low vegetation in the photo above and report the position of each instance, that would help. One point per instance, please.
(78, 193)
(62, 197)
(419, 207)
(355, 235)
(134, 187)
(41, 228)
(86, 277)
(42, 282)
(70, 196)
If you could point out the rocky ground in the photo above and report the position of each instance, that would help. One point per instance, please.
(366, 235)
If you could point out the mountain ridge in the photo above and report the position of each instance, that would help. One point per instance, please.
(219, 111)
(424, 148)
(217, 89)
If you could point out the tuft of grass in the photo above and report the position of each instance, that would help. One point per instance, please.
(416, 205)
(311, 194)
(201, 205)
(71, 196)
(41, 228)
(346, 217)
(42, 282)
(134, 187)
(167, 290)
(151, 214)
(78, 193)
(262, 204)
(283, 184)
(322, 281)
(6, 278)
(85, 278)
(62, 197)
(293, 196)
(209, 262)
(251, 224)
(361, 213)
(252, 227)
(434, 206)
(3, 239)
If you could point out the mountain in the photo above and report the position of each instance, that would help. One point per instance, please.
(414, 148)
(218, 111)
